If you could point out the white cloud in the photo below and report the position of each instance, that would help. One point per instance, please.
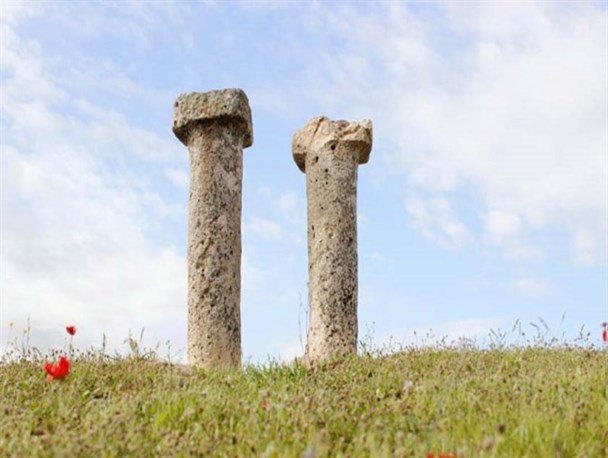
(179, 177)
(436, 221)
(290, 207)
(138, 23)
(502, 226)
(13, 12)
(77, 223)
(505, 100)
(293, 212)
(530, 286)
(505, 230)
(587, 248)
(263, 228)
(74, 251)
(254, 278)
(377, 256)
(111, 130)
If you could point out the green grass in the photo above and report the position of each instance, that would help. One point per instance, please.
(537, 401)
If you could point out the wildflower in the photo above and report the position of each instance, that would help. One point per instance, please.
(441, 455)
(57, 371)
(605, 332)
(71, 330)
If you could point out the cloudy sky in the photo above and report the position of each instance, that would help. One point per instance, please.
(484, 201)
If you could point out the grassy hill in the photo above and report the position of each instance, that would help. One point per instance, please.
(538, 401)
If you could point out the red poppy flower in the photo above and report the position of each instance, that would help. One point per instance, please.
(57, 371)
(605, 333)
(71, 330)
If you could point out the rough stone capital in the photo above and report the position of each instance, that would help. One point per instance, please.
(321, 133)
(199, 107)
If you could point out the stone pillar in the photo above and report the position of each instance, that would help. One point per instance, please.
(329, 152)
(215, 126)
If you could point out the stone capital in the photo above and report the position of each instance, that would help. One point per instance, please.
(321, 133)
(196, 108)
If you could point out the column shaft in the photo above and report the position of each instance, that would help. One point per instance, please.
(214, 245)
(331, 189)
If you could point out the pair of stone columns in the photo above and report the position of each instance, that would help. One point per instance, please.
(216, 126)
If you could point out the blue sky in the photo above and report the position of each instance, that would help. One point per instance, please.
(484, 201)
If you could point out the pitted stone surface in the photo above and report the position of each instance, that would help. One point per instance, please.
(200, 107)
(214, 226)
(320, 131)
(329, 152)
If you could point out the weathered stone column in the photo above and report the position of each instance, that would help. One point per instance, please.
(329, 152)
(215, 126)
